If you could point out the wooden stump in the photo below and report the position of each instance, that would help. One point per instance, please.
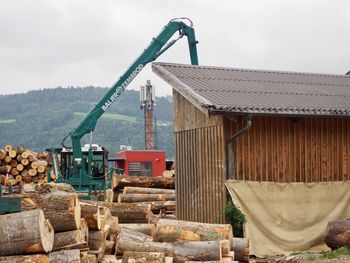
(338, 234)
(25, 232)
(175, 230)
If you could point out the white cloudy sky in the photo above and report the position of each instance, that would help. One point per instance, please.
(50, 43)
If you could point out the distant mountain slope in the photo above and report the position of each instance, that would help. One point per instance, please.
(41, 119)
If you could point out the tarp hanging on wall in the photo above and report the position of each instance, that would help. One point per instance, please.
(287, 217)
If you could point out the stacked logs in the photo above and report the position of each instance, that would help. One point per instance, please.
(158, 192)
(20, 166)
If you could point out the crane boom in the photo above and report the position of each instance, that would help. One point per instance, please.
(157, 47)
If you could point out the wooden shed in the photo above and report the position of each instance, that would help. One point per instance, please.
(253, 125)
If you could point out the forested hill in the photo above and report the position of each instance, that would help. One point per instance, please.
(41, 119)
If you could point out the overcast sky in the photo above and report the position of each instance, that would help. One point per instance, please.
(50, 43)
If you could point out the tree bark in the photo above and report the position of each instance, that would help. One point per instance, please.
(127, 213)
(157, 206)
(66, 256)
(174, 230)
(337, 234)
(37, 258)
(138, 198)
(120, 182)
(240, 247)
(181, 251)
(127, 235)
(25, 232)
(144, 190)
(70, 240)
(147, 229)
(61, 208)
(143, 257)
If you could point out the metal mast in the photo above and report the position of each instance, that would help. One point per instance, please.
(147, 103)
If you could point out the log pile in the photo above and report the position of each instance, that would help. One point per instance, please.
(19, 166)
(158, 192)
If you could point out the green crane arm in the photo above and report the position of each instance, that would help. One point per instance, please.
(157, 46)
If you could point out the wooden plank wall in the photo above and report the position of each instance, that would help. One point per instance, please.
(200, 189)
(199, 163)
(283, 149)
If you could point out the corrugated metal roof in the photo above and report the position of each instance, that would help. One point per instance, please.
(259, 91)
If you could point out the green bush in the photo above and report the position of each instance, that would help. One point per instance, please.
(235, 218)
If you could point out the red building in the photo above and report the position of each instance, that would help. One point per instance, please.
(141, 163)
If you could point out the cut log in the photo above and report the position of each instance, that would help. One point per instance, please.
(143, 257)
(147, 229)
(8, 147)
(87, 258)
(120, 182)
(24, 161)
(35, 179)
(110, 247)
(19, 150)
(37, 258)
(138, 198)
(5, 169)
(12, 153)
(240, 246)
(114, 228)
(32, 172)
(109, 195)
(14, 172)
(127, 213)
(167, 174)
(61, 208)
(175, 230)
(70, 240)
(84, 229)
(91, 213)
(20, 167)
(144, 190)
(25, 232)
(157, 206)
(97, 238)
(13, 163)
(19, 178)
(66, 256)
(3, 153)
(127, 235)
(110, 259)
(19, 157)
(337, 234)
(7, 159)
(181, 251)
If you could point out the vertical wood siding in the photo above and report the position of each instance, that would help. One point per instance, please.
(283, 149)
(199, 163)
(200, 189)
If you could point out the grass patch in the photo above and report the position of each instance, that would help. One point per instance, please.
(111, 116)
(343, 251)
(8, 121)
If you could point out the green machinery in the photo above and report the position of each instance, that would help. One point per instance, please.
(9, 204)
(85, 167)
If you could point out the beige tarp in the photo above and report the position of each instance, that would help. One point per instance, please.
(287, 217)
